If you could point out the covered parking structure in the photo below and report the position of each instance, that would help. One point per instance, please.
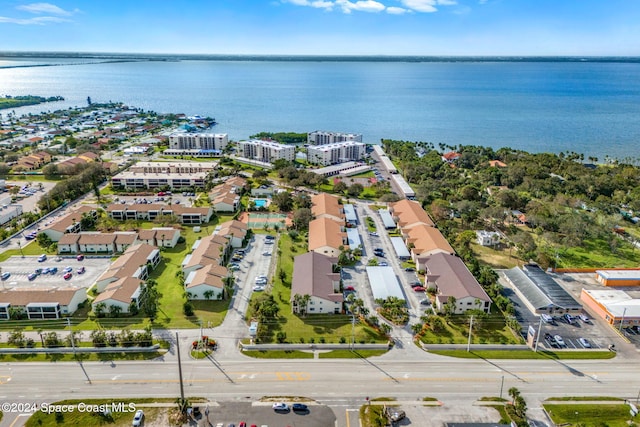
(540, 292)
(401, 249)
(387, 219)
(384, 283)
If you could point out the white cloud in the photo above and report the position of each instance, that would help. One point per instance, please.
(41, 20)
(44, 8)
(361, 5)
(392, 10)
(427, 6)
(322, 4)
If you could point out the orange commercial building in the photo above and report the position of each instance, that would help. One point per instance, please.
(618, 277)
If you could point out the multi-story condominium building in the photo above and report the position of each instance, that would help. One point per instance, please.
(202, 141)
(266, 151)
(319, 137)
(173, 167)
(150, 181)
(339, 152)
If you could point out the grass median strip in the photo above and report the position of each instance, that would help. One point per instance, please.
(524, 354)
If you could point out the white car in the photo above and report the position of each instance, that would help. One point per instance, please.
(584, 343)
(279, 406)
(559, 341)
(258, 288)
(584, 318)
(137, 418)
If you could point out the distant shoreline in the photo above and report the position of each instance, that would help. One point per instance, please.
(311, 58)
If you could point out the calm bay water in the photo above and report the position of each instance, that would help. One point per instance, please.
(587, 107)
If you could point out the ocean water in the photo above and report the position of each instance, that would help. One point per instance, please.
(587, 107)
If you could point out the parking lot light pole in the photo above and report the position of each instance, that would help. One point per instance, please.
(624, 312)
(538, 337)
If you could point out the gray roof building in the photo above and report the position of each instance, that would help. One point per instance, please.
(350, 214)
(384, 283)
(387, 219)
(354, 238)
(540, 291)
(401, 249)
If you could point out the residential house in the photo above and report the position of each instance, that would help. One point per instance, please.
(206, 283)
(408, 213)
(487, 238)
(324, 205)
(162, 236)
(451, 278)
(326, 236)
(70, 223)
(497, 164)
(121, 293)
(136, 262)
(423, 240)
(234, 231)
(317, 276)
(206, 251)
(97, 243)
(450, 157)
(53, 303)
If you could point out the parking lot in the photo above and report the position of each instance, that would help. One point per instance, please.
(19, 269)
(175, 199)
(596, 331)
(261, 414)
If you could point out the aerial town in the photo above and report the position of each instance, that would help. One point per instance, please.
(118, 223)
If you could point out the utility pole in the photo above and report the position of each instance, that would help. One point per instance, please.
(353, 330)
(182, 401)
(538, 337)
(501, 386)
(73, 343)
(622, 319)
(469, 340)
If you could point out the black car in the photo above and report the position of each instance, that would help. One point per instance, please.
(196, 412)
(299, 407)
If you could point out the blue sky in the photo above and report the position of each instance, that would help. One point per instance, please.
(325, 27)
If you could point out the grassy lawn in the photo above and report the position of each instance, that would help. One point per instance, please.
(524, 354)
(494, 257)
(368, 174)
(86, 357)
(278, 354)
(597, 254)
(90, 418)
(587, 398)
(328, 327)
(351, 354)
(172, 295)
(588, 415)
(491, 329)
(29, 250)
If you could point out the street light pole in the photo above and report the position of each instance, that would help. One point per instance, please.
(501, 386)
(538, 337)
(622, 319)
(470, 329)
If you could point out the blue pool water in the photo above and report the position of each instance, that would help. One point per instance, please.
(260, 203)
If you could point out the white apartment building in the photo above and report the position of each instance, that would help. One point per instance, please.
(202, 141)
(8, 211)
(319, 137)
(339, 152)
(266, 151)
(173, 167)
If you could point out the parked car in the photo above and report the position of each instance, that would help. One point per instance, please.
(396, 414)
(67, 269)
(53, 270)
(268, 242)
(584, 343)
(383, 264)
(279, 406)
(416, 285)
(138, 418)
(5, 275)
(42, 258)
(349, 288)
(266, 253)
(373, 233)
(67, 276)
(584, 318)
(258, 288)
(418, 289)
(270, 237)
(80, 257)
(568, 318)
(425, 301)
(559, 340)
(81, 270)
(32, 276)
(44, 270)
(409, 269)
(299, 407)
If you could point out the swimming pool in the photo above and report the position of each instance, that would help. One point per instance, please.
(260, 203)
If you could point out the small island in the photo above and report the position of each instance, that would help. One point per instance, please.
(20, 101)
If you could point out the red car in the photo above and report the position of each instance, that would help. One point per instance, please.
(418, 289)
(67, 276)
(242, 424)
(349, 288)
